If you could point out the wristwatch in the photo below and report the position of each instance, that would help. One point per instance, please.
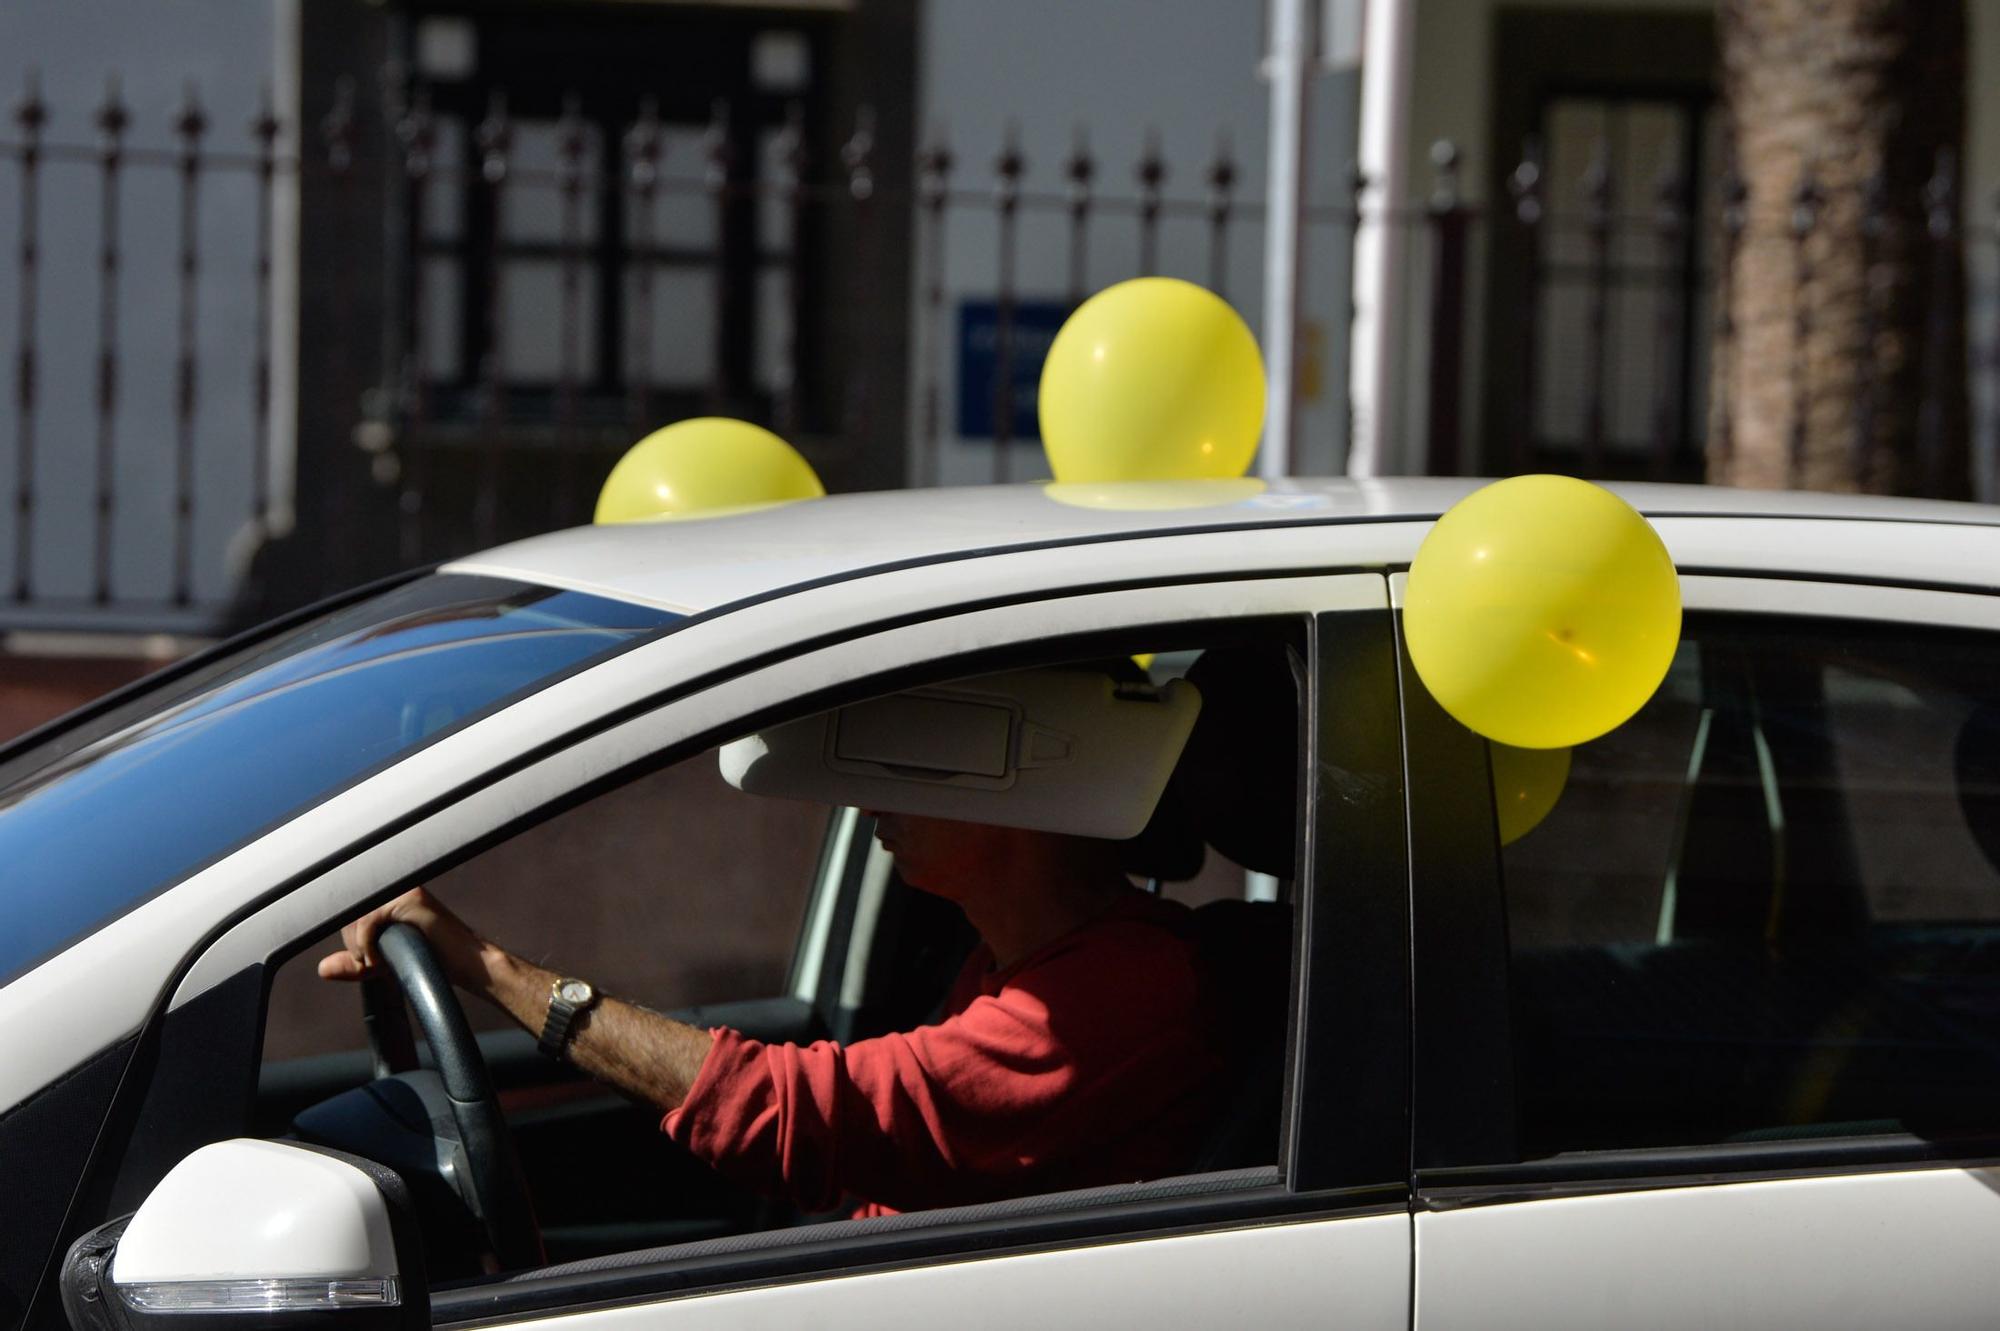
(568, 1000)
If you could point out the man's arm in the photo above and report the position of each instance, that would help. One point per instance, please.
(642, 1053)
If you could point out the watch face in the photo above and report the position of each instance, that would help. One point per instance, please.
(574, 991)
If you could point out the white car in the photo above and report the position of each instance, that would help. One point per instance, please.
(1717, 1043)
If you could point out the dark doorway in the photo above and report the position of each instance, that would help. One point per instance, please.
(1604, 144)
(599, 217)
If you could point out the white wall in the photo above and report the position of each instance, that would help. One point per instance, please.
(1187, 68)
(226, 48)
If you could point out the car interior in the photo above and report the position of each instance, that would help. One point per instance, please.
(1768, 907)
(743, 887)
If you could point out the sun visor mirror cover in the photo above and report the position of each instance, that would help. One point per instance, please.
(1070, 751)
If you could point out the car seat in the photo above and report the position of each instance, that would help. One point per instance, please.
(1237, 786)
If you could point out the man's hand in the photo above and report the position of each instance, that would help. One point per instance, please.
(458, 948)
(644, 1054)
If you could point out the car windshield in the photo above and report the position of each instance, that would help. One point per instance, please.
(99, 817)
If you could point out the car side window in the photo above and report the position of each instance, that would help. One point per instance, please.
(1768, 907)
(697, 884)
(673, 888)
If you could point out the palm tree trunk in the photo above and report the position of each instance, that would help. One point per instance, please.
(1840, 346)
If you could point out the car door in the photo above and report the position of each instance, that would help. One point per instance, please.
(1718, 1042)
(1320, 1237)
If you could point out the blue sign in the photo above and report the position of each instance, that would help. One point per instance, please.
(1033, 326)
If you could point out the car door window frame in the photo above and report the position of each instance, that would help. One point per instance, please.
(63, 1012)
(1312, 1184)
(1464, 1142)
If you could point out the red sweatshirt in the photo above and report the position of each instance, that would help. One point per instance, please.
(1090, 1061)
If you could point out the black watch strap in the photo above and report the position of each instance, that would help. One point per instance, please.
(568, 1000)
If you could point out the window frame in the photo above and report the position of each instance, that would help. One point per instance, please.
(1312, 1183)
(1464, 1151)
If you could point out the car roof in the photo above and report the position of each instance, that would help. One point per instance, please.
(701, 563)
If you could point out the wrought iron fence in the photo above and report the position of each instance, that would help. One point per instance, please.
(1541, 331)
(193, 163)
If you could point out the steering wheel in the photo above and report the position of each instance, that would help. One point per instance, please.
(496, 1188)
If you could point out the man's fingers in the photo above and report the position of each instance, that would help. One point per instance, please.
(358, 939)
(342, 966)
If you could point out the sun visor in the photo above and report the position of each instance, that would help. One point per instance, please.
(1056, 750)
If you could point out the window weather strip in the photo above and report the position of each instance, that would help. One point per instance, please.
(819, 917)
(1774, 814)
(1670, 891)
(861, 937)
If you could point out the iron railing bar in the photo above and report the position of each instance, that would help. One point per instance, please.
(1029, 200)
(265, 128)
(1722, 392)
(1630, 447)
(1221, 205)
(212, 159)
(1526, 183)
(644, 147)
(494, 138)
(1625, 274)
(1599, 189)
(550, 252)
(1080, 169)
(858, 156)
(31, 114)
(1448, 236)
(1152, 173)
(1668, 319)
(416, 130)
(933, 171)
(572, 145)
(191, 125)
(719, 157)
(791, 198)
(1008, 168)
(112, 118)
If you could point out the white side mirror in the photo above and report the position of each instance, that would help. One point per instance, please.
(272, 1234)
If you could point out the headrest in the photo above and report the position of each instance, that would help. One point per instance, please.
(1057, 750)
(1168, 849)
(1238, 779)
(1976, 765)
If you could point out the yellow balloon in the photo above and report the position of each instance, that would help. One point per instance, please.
(1542, 611)
(1526, 785)
(695, 466)
(1155, 379)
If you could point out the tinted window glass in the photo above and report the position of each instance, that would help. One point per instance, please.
(1768, 906)
(90, 825)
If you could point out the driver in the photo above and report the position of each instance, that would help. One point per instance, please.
(1074, 1050)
